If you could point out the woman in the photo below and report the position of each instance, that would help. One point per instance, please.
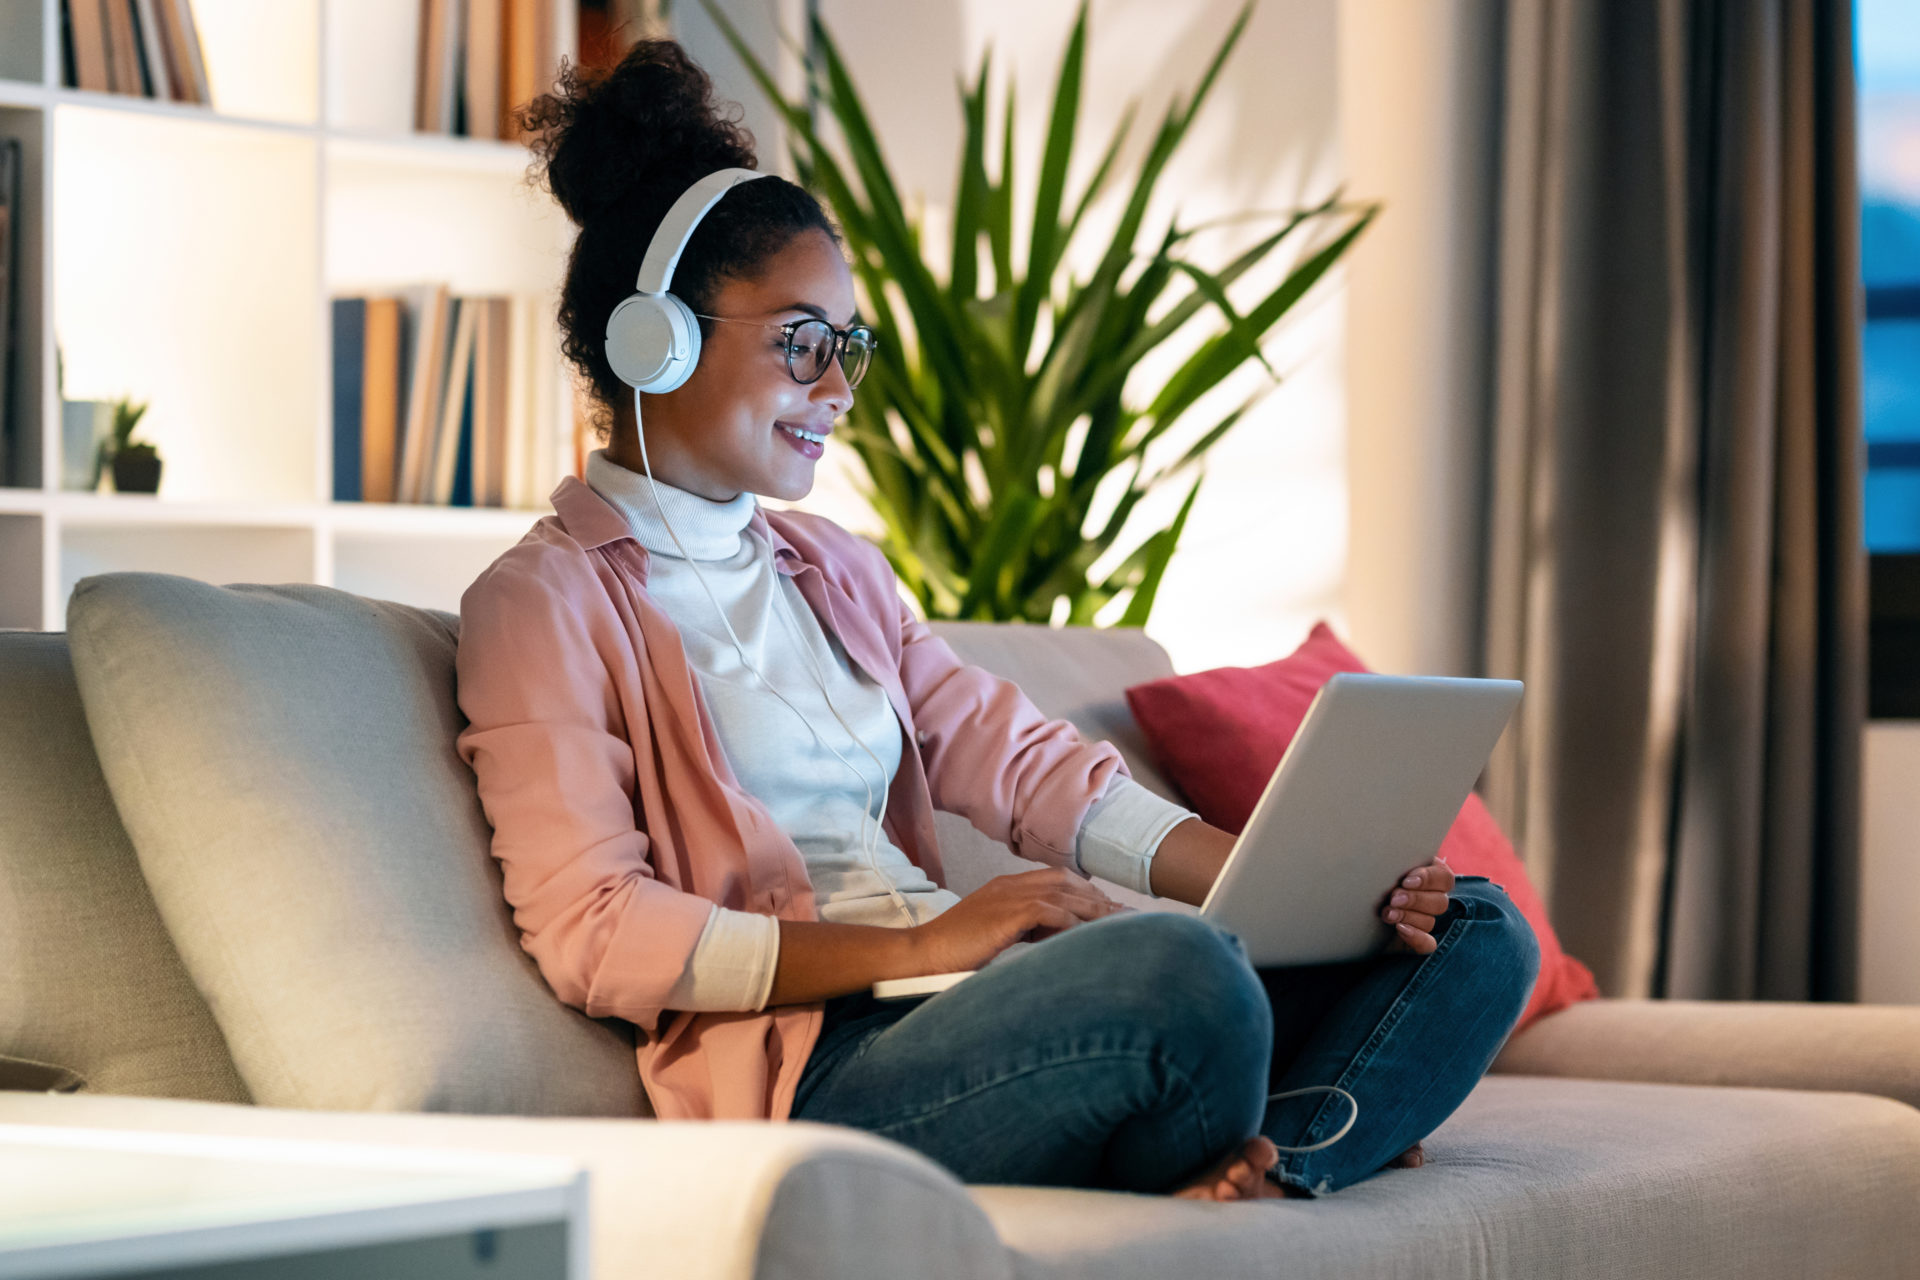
(691, 718)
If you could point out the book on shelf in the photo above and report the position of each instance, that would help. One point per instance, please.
(492, 364)
(12, 432)
(439, 51)
(444, 400)
(481, 68)
(349, 377)
(123, 49)
(445, 450)
(459, 488)
(481, 60)
(429, 308)
(382, 369)
(147, 48)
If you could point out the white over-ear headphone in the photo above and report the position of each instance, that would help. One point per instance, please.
(653, 344)
(653, 339)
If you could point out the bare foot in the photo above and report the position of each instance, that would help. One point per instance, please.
(1240, 1175)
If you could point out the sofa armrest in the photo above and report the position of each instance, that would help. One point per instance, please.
(718, 1200)
(1846, 1048)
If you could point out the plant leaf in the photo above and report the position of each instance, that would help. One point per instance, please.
(1000, 204)
(1162, 544)
(970, 191)
(1045, 240)
(994, 561)
(1219, 356)
(1238, 330)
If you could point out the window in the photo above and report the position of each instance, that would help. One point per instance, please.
(1887, 37)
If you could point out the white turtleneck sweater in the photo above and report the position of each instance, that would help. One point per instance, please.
(817, 799)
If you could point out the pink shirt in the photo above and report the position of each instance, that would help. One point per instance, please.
(617, 821)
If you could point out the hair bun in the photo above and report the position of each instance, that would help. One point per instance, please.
(648, 127)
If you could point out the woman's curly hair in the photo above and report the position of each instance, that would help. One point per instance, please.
(617, 147)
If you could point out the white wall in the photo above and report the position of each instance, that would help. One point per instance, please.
(1264, 550)
(1890, 878)
(1415, 105)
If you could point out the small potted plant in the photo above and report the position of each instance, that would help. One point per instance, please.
(136, 465)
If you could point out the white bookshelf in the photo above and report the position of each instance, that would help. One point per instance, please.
(187, 256)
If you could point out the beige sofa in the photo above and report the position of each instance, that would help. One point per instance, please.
(244, 888)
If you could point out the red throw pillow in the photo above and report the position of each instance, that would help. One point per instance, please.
(1220, 734)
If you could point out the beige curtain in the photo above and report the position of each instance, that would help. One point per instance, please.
(1673, 552)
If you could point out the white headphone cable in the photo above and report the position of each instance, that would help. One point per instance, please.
(820, 678)
(1320, 1088)
(867, 847)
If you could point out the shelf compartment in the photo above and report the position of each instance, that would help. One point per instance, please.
(185, 273)
(372, 53)
(218, 554)
(260, 62)
(429, 571)
(262, 58)
(452, 210)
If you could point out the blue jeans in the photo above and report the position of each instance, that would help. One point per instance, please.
(1133, 1052)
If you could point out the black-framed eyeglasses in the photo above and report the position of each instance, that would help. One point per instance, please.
(812, 343)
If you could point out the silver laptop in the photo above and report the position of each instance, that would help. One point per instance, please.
(1365, 792)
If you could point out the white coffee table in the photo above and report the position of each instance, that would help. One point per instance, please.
(98, 1202)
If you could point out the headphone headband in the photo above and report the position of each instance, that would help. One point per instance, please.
(663, 254)
(653, 338)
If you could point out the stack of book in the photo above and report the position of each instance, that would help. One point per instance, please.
(146, 47)
(12, 433)
(444, 399)
(480, 60)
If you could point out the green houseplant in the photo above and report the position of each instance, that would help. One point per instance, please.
(998, 399)
(136, 464)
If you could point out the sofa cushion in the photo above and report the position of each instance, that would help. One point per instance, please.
(1770, 1044)
(89, 981)
(1069, 673)
(283, 758)
(1222, 733)
(1575, 1179)
(680, 1200)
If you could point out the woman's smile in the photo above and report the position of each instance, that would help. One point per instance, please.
(811, 444)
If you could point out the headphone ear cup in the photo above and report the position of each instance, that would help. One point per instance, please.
(653, 342)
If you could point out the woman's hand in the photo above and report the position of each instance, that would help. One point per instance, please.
(1003, 911)
(1414, 904)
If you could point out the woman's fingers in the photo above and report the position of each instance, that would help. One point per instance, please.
(1053, 916)
(1420, 898)
(1435, 875)
(1411, 900)
(1415, 905)
(1421, 943)
(1421, 920)
(1058, 886)
(1080, 896)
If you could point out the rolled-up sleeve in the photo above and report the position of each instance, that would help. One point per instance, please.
(993, 758)
(733, 967)
(553, 755)
(1123, 831)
